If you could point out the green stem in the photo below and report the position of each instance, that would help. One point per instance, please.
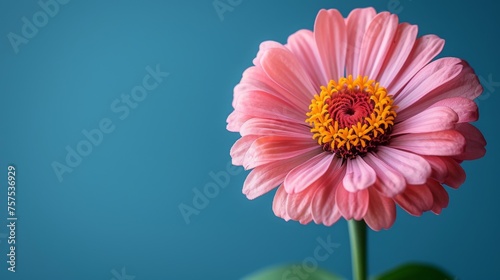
(357, 236)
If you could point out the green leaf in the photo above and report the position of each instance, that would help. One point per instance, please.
(292, 272)
(415, 271)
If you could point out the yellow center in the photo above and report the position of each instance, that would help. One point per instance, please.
(352, 116)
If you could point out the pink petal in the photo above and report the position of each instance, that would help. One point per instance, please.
(440, 196)
(430, 120)
(414, 168)
(440, 143)
(323, 207)
(404, 40)
(284, 69)
(424, 50)
(352, 205)
(307, 173)
(456, 174)
(376, 43)
(357, 22)
(255, 79)
(331, 40)
(415, 199)
(447, 170)
(267, 127)
(389, 181)
(264, 46)
(359, 175)
(439, 167)
(475, 142)
(303, 46)
(266, 177)
(299, 205)
(240, 148)
(262, 105)
(381, 212)
(464, 84)
(431, 77)
(235, 120)
(267, 149)
(465, 108)
(279, 204)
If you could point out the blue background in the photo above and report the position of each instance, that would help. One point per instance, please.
(119, 208)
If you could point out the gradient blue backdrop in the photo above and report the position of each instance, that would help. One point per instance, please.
(119, 207)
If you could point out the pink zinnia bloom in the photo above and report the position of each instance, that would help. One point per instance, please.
(353, 118)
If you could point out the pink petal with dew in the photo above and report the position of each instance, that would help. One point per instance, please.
(356, 23)
(352, 205)
(438, 143)
(240, 148)
(284, 69)
(466, 109)
(279, 204)
(359, 175)
(389, 182)
(307, 173)
(266, 177)
(381, 212)
(475, 142)
(267, 149)
(267, 127)
(430, 120)
(404, 39)
(331, 40)
(376, 43)
(424, 50)
(439, 195)
(415, 199)
(414, 168)
(432, 76)
(303, 46)
(323, 207)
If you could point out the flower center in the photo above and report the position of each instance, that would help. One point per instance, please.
(351, 117)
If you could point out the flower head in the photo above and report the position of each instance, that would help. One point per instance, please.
(353, 118)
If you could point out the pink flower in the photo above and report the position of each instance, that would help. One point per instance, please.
(353, 118)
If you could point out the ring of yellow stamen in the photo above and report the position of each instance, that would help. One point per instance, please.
(352, 116)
